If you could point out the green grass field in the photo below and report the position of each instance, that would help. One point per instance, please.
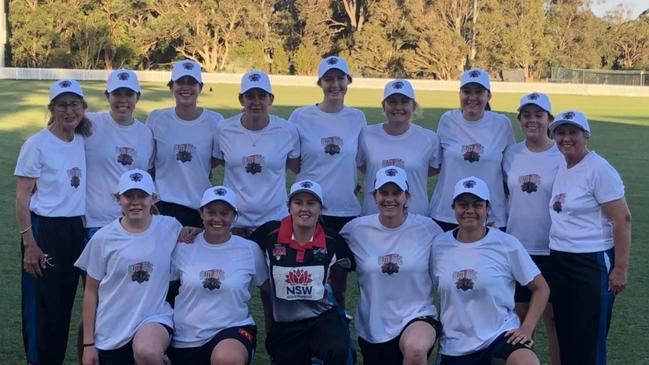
(620, 130)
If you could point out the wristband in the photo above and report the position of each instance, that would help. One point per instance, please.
(25, 230)
(88, 344)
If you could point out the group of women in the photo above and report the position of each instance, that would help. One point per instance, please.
(506, 216)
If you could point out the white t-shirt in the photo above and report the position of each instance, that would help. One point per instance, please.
(59, 168)
(183, 155)
(394, 277)
(472, 149)
(476, 283)
(579, 224)
(111, 150)
(255, 167)
(415, 151)
(214, 281)
(328, 148)
(133, 270)
(529, 177)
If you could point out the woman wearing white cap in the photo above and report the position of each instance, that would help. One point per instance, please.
(212, 322)
(184, 144)
(399, 142)
(396, 319)
(329, 134)
(128, 263)
(530, 167)
(119, 142)
(475, 268)
(302, 257)
(255, 148)
(590, 239)
(50, 200)
(473, 141)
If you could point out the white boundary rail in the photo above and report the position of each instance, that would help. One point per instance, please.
(288, 80)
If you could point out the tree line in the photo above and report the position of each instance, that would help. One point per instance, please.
(380, 38)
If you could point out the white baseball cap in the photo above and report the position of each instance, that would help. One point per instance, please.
(184, 68)
(537, 98)
(573, 117)
(122, 78)
(219, 193)
(135, 179)
(475, 75)
(391, 174)
(63, 86)
(471, 185)
(255, 79)
(333, 62)
(398, 86)
(306, 186)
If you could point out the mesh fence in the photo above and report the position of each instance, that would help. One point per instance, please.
(577, 76)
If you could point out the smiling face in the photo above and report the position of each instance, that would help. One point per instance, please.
(186, 90)
(391, 201)
(534, 122)
(305, 209)
(398, 108)
(67, 111)
(334, 85)
(122, 103)
(473, 100)
(136, 204)
(572, 142)
(470, 211)
(217, 217)
(256, 102)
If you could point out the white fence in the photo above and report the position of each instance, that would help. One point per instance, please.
(288, 80)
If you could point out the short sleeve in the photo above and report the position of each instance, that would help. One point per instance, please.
(360, 154)
(176, 262)
(92, 260)
(510, 139)
(607, 184)
(29, 160)
(523, 268)
(435, 153)
(261, 272)
(295, 139)
(216, 142)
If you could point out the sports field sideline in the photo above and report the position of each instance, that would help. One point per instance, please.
(620, 132)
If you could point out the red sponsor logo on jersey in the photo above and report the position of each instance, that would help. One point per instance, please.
(298, 276)
(393, 162)
(278, 251)
(245, 334)
(472, 152)
(465, 279)
(529, 183)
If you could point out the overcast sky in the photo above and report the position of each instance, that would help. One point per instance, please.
(637, 6)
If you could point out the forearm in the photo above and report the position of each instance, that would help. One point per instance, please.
(23, 217)
(338, 281)
(622, 242)
(265, 301)
(539, 300)
(89, 313)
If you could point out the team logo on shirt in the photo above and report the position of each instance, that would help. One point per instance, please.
(123, 76)
(188, 66)
(141, 271)
(472, 152)
(184, 152)
(332, 144)
(557, 202)
(393, 162)
(254, 163)
(529, 183)
(254, 77)
(65, 84)
(298, 283)
(390, 263)
(465, 279)
(75, 177)
(332, 61)
(279, 251)
(212, 279)
(319, 254)
(125, 155)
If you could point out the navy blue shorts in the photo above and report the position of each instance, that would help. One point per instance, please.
(498, 350)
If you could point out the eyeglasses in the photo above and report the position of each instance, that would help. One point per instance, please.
(62, 106)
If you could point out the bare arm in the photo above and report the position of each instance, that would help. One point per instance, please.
(540, 294)
(293, 164)
(264, 292)
(618, 212)
(432, 171)
(217, 162)
(33, 254)
(89, 314)
(338, 280)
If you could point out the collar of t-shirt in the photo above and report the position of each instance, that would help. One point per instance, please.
(286, 237)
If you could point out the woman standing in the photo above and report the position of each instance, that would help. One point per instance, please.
(473, 141)
(475, 268)
(184, 146)
(50, 200)
(303, 256)
(395, 317)
(128, 263)
(255, 147)
(212, 322)
(329, 134)
(530, 167)
(590, 239)
(119, 142)
(399, 142)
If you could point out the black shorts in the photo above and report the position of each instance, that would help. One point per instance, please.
(247, 335)
(523, 294)
(122, 355)
(497, 352)
(389, 353)
(185, 215)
